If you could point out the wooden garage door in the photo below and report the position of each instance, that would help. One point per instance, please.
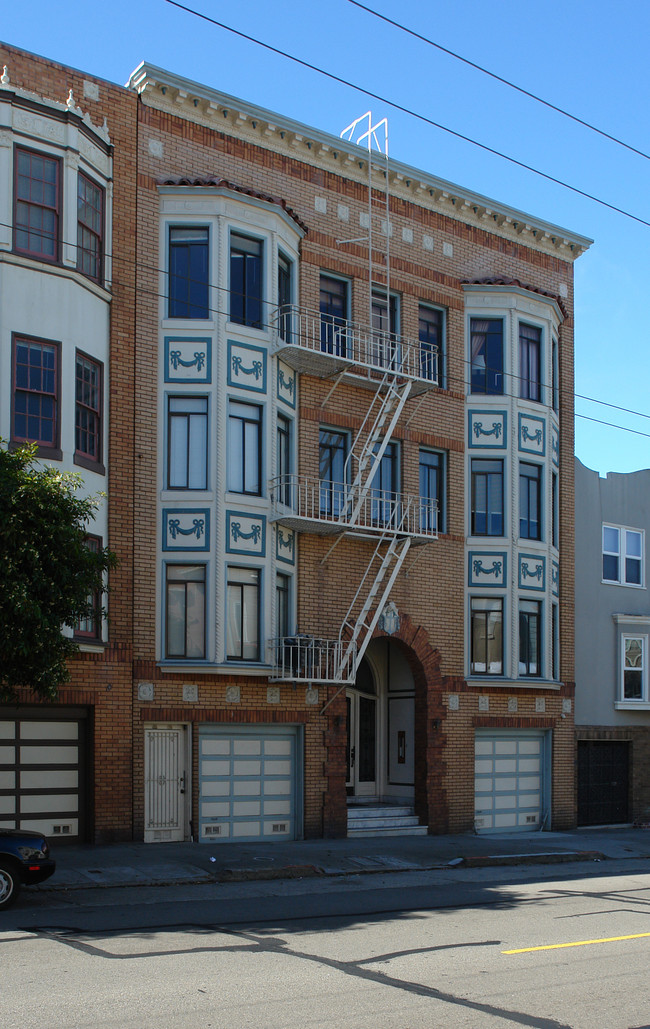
(41, 775)
(509, 781)
(248, 784)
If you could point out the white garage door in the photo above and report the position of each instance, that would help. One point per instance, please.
(41, 775)
(248, 784)
(510, 781)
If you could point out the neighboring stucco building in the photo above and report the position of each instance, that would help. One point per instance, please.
(66, 331)
(612, 631)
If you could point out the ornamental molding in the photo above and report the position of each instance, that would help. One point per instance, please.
(192, 101)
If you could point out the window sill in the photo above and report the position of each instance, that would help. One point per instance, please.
(57, 268)
(90, 647)
(626, 585)
(89, 464)
(47, 453)
(523, 684)
(632, 705)
(211, 668)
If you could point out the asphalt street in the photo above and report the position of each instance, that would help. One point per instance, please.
(465, 948)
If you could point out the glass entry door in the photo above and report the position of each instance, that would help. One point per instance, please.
(361, 744)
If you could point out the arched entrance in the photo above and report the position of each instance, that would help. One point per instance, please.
(380, 721)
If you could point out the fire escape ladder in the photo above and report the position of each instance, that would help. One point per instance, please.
(363, 625)
(386, 408)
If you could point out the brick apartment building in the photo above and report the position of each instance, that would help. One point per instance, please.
(340, 482)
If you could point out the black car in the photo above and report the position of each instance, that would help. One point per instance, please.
(24, 860)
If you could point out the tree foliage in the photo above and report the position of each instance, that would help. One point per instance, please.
(49, 578)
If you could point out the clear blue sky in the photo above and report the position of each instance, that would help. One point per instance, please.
(587, 57)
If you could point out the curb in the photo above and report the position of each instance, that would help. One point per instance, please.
(553, 858)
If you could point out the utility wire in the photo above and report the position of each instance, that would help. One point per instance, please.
(411, 113)
(499, 78)
(140, 266)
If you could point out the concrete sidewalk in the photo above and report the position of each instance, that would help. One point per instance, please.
(140, 864)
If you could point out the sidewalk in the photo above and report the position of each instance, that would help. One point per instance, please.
(140, 864)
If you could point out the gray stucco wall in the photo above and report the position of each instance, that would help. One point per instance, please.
(618, 499)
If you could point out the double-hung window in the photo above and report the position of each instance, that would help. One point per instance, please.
(89, 627)
(530, 351)
(487, 497)
(283, 440)
(333, 315)
(431, 491)
(185, 611)
(88, 411)
(243, 615)
(486, 345)
(384, 505)
(284, 297)
(90, 224)
(188, 272)
(282, 604)
(333, 451)
(187, 442)
(246, 281)
(486, 636)
(385, 325)
(245, 448)
(430, 329)
(36, 399)
(37, 205)
(623, 555)
(530, 476)
(529, 637)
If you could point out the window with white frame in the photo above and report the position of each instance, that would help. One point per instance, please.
(243, 614)
(530, 617)
(486, 636)
(245, 448)
(185, 611)
(187, 442)
(623, 555)
(634, 671)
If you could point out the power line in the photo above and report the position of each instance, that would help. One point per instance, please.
(412, 114)
(464, 382)
(499, 78)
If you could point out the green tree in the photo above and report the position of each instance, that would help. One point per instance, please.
(49, 578)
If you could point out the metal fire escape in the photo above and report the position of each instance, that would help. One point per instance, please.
(393, 368)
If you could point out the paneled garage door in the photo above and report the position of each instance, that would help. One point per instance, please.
(248, 784)
(510, 781)
(41, 775)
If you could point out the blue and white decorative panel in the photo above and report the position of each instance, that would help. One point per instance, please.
(555, 578)
(286, 384)
(532, 572)
(555, 446)
(186, 529)
(245, 533)
(188, 359)
(285, 545)
(247, 366)
(532, 435)
(488, 429)
(487, 568)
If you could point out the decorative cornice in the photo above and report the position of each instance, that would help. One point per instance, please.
(233, 187)
(192, 101)
(65, 111)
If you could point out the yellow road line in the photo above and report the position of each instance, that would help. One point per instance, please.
(577, 943)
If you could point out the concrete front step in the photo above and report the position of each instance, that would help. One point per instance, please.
(383, 822)
(414, 830)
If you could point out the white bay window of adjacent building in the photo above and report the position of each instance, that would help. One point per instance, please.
(243, 614)
(187, 434)
(185, 611)
(623, 555)
(634, 673)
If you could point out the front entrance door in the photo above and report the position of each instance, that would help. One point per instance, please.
(165, 783)
(362, 744)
